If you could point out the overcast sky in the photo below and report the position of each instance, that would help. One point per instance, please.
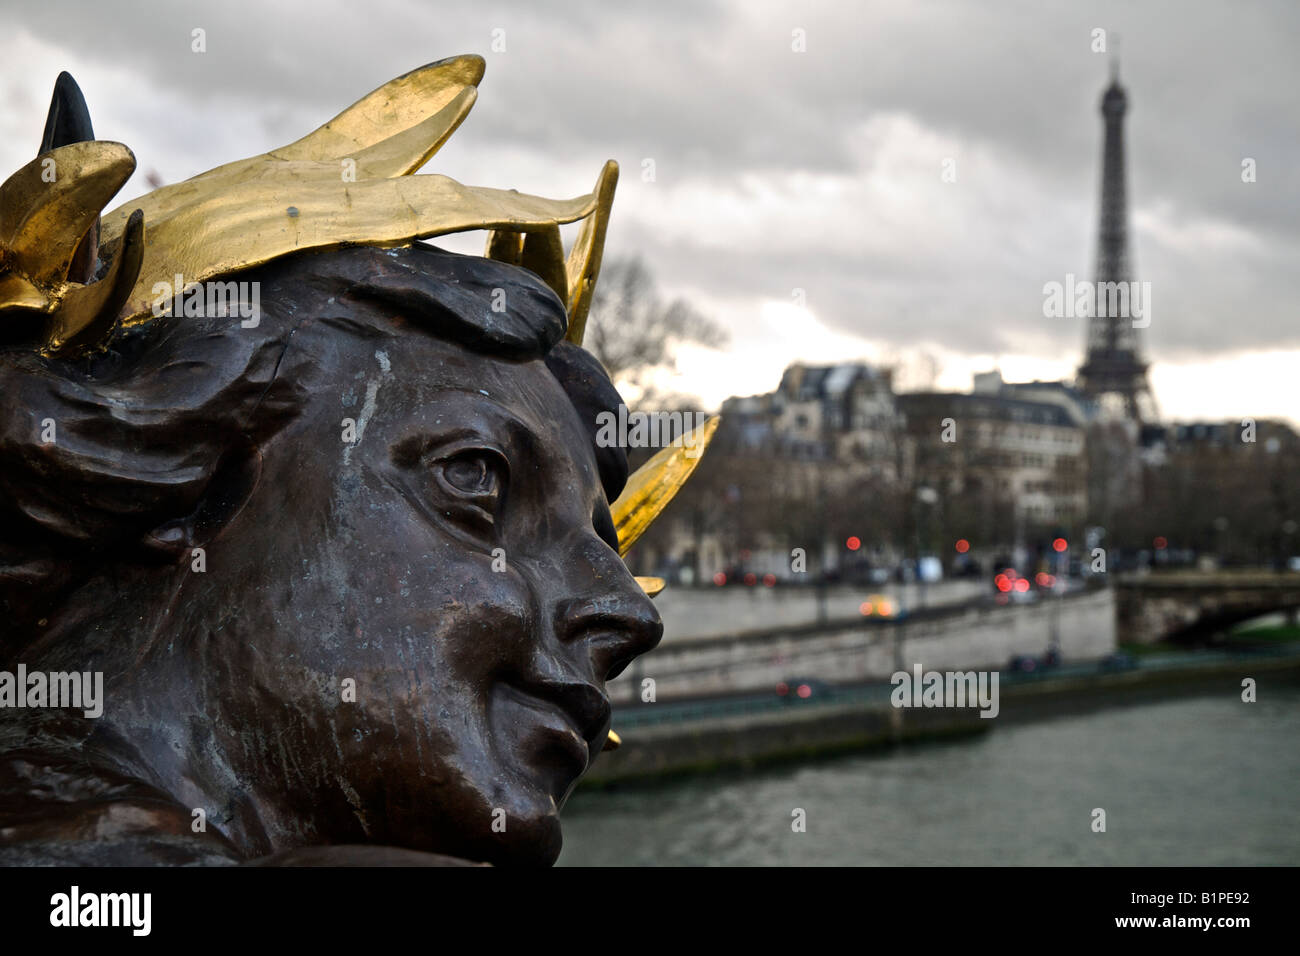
(777, 170)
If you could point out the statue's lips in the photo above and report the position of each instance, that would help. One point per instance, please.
(554, 726)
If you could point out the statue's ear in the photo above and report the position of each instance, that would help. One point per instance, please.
(232, 484)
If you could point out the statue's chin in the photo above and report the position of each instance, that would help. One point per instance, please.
(528, 840)
(506, 818)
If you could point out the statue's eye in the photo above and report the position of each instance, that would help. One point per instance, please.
(470, 473)
(470, 483)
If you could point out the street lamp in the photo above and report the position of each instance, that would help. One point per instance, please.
(924, 496)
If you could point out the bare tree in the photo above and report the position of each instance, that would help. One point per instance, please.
(634, 333)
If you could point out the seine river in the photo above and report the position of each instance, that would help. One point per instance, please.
(1192, 781)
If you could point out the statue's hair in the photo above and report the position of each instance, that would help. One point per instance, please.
(152, 433)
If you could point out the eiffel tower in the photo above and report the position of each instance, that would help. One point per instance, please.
(1113, 373)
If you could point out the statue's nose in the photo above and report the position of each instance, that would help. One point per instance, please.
(614, 627)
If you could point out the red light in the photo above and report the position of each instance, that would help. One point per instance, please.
(866, 609)
(804, 691)
(1002, 582)
(853, 543)
(769, 580)
(1041, 579)
(751, 579)
(782, 689)
(1161, 543)
(962, 545)
(1022, 584)
(720, 579)
(1060, 544)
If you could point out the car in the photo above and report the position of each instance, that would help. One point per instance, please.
(1010, 581)
(1119, 661)
(1028, 664)
(878, 605)
(802, 688)
(1023, 664)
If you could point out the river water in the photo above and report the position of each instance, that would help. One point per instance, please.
(1191, 781)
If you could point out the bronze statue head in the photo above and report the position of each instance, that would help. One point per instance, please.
(350, 568)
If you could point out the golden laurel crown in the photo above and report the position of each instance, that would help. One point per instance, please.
(348, 183)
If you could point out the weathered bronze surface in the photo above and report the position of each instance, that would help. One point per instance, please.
(350, 572)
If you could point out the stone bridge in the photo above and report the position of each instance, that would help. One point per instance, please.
(1193, 605)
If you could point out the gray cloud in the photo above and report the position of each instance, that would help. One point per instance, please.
(714, 94)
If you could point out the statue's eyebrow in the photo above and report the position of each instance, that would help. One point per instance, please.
(492, 421)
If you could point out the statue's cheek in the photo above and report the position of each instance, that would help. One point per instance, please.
(459, 617)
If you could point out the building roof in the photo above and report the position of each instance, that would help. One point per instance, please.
(992, 407)
(808, 382)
